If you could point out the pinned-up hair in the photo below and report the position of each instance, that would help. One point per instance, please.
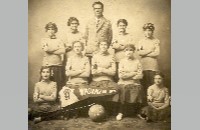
(149, 26)
(72, 19)
(51, 25)
(50, 70)
(122, 21)
(100, 41)
(82, 44)
(160, 74)
(130, 46)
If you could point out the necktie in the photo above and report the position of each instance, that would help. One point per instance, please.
(97, 23)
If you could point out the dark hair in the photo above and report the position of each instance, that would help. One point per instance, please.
(160, 74)
(46, 67)
(130, 46)
(103, 41)
(82, 44)
(108, 45)
(51, 25)
(149, 26)
(123, 21)
(72, 19)
(99, 3)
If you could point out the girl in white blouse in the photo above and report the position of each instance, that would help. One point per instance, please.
(77, 71)
(53, 52)
(45, 94)
(158, 99)
(72, 35)
(103, 72)
(130, 73)
(121, 39)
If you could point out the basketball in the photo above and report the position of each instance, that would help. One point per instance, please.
(97, 113)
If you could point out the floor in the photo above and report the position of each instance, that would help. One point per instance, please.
(81, 123)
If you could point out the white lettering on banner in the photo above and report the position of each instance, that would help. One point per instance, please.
(111, 91)
(88, 91)
(104, 91)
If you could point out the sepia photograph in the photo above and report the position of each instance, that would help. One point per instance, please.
(99, 65)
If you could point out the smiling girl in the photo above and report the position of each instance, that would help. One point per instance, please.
(45, 94)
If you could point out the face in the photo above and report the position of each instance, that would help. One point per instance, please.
(122, 27)
(148, 33)
(158, 80)
(129, 52)
(51, 32)
(74, 25)
(45, 74)
(103, 46)
(98, 10)
(77, 48)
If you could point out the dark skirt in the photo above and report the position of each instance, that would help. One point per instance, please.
(156, 115)
(41, 109)
(147, 80)
(130, 93)
(59, 76)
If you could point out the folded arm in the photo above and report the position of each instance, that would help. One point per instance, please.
(156, 51)
(139, 74)
(86, 71)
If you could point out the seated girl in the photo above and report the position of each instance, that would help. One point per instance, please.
(130, 73)
(45, 94)
(77, 71)
(158, 100)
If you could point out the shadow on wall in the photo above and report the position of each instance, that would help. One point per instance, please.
(137, 12)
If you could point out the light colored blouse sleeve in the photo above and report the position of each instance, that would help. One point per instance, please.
(94, 65)
(166, 99)
(68, 67)
(61, 44)
(86, 72)
(36, 93)
(54, 92)
(120, 68)
(139, 74)
(61, 48)
(45, 46)
(53, 95)
(156, 51)
(149, 92)
(141, 51)
(112, 69)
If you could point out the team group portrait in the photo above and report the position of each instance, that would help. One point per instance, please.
(99, 65)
